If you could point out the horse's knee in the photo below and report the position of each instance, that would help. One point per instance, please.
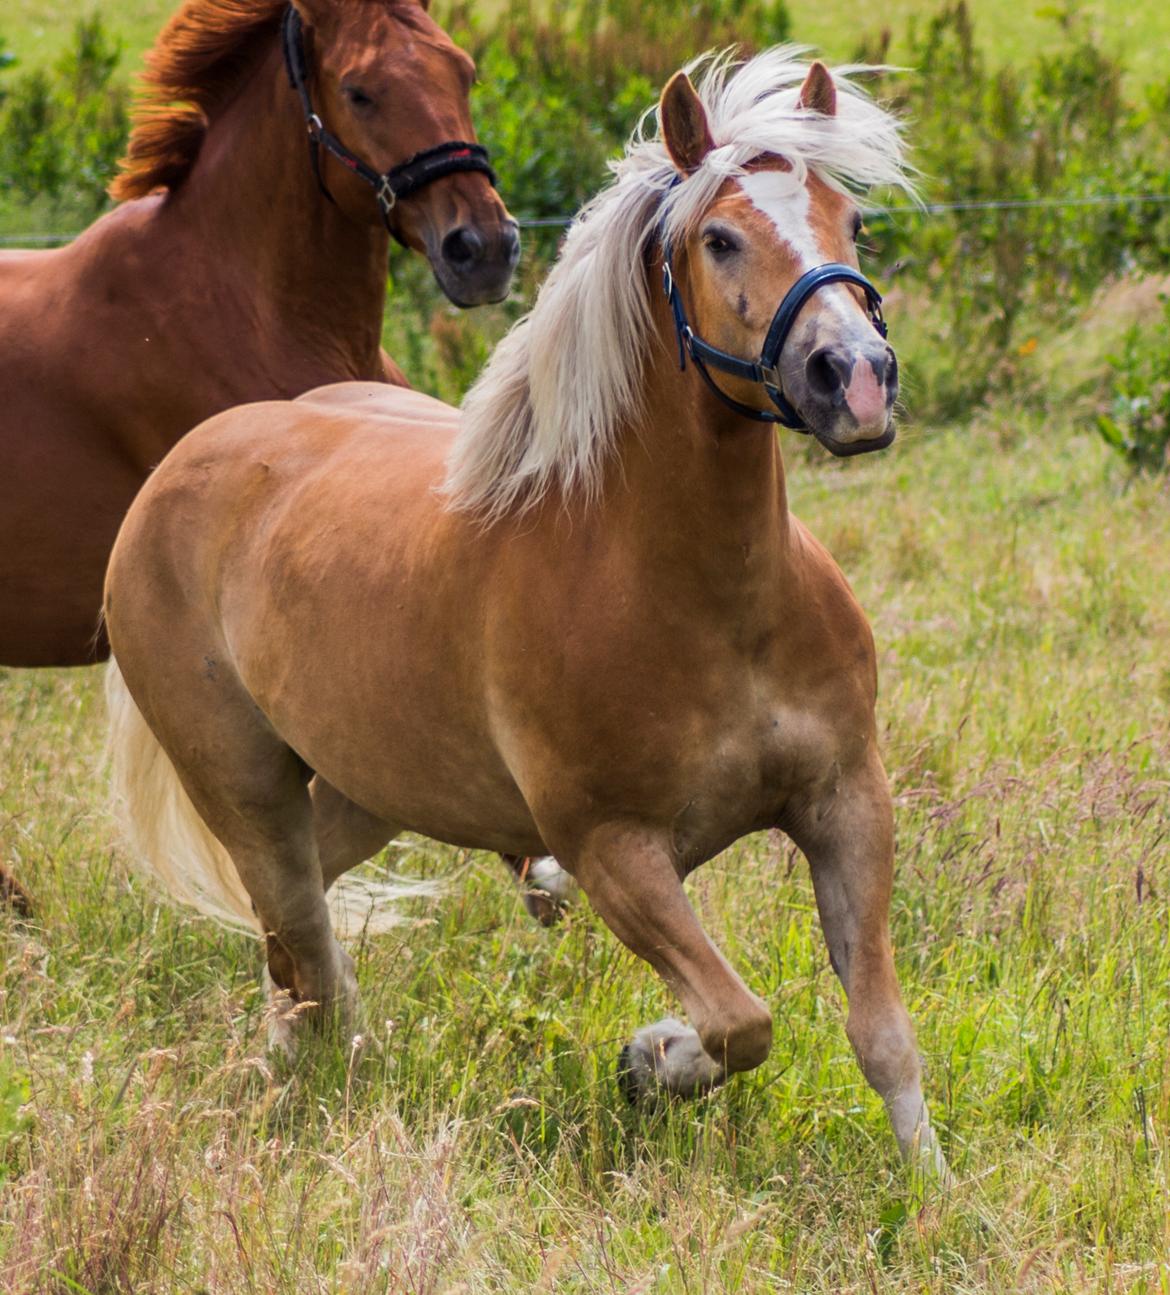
(886, 1049)
(741, 1041)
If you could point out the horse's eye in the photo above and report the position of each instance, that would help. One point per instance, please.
(357, 96)
(857, 225)
(718, 244)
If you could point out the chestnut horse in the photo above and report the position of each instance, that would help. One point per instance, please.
(577, 618)
(229, 272)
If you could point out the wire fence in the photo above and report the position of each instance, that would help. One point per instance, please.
(906, 209)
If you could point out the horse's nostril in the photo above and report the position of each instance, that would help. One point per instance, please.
(828, 371)
(463, 247)
(885, 368)
(511, 241)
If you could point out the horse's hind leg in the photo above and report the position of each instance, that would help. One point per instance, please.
(346, 834)
(632, 882)
(850, 849)
(251, 790)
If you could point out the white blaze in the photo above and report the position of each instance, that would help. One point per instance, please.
(785, 200)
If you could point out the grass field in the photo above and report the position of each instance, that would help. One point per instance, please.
(1017, 584)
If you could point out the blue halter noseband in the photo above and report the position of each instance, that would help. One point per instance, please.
(766, 370)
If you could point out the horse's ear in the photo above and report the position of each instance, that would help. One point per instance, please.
(818, 94)
(683, 120)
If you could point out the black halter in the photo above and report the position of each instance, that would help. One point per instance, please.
(765, 370)
(400, 181)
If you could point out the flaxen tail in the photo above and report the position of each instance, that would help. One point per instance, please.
(171, 843)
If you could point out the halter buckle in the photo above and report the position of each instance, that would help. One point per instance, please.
(315, 126)
(386, 196)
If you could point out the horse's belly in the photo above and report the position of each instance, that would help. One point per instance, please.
(409, 749)
(62, 498)
(469, 801)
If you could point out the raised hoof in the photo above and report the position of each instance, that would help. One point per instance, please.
(14, 896)
(666, 1058)
(548, 890)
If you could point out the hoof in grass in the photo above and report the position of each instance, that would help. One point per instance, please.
(666, 1058)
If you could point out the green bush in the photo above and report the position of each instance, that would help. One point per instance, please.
(560, 88)
(62, 133)
(1058, 128)
(1137, 425)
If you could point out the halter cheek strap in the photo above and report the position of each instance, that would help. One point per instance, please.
(400, 181)
(764, 371)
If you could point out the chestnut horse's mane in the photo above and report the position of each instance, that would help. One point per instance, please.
(545, 412)
(195, 61)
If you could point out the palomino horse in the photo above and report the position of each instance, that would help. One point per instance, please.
(247, 261)
(576, 618)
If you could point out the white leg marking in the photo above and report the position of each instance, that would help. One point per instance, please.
(548, 890)
(916, 1138)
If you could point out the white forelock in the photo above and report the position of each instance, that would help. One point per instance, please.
(545, 411)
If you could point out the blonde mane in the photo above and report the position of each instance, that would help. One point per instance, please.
(196, 60)
(545, 412)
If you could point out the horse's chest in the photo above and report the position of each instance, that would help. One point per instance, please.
(753, 768)
(775, 745)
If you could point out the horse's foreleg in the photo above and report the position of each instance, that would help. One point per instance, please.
(632, 882)
(849, 842)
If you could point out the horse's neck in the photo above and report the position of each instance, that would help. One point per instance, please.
(310, 275)
(701, 491)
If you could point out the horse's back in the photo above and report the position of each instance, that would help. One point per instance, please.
(264, 480)
(348, 441)
(26, 289)
(18, 261)
(382, 401)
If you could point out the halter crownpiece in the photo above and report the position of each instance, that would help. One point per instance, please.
(766, 370)
(390, 186)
